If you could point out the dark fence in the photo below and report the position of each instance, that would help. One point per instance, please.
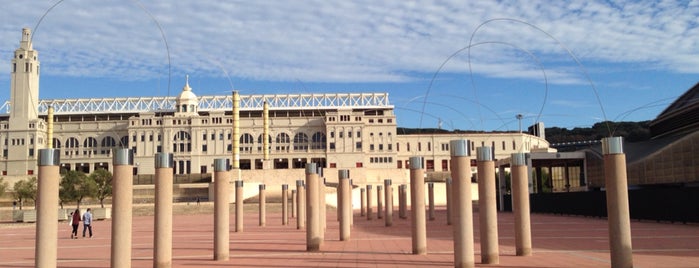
(677, 204)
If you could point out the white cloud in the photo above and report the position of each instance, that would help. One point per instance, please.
(348, 41)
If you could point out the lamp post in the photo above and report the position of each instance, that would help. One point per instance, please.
(519, 120)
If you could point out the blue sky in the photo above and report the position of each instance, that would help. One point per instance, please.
(566, 63)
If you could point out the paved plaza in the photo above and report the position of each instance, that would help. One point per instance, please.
(558, 241)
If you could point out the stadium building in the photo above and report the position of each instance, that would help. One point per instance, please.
(278, 134)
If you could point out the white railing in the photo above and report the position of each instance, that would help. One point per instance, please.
(212, 103)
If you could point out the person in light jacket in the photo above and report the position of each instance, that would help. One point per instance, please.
(87, 222)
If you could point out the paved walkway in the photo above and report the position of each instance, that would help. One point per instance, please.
(559, 241)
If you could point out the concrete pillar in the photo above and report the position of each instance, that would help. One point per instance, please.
(430, 198)
(520, 200)
(369, 209)
(462, 207)
(321, 201)
(300, 205)
(345, 204)
(48, 180)
(402, 202)
(450, 202)
(265, 131)
(294, 202)
(351, 202)
(313, 227)
(388, 212)
(338, 194)
(285, 204)
(263, 205)
(162, 235)
(362, 201)
(122, 204)
(487, 206)
(239, 206)
(417, 206)
(379, 201)
(617, 202)
(221, 210)
(235, 137)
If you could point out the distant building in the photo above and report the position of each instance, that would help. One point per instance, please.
(355, 131)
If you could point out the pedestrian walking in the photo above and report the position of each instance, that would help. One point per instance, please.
(75, 222)
(87, 222)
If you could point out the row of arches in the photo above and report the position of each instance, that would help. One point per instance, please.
(301, 141)
(91, 142)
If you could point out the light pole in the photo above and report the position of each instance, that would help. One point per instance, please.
(519, 120)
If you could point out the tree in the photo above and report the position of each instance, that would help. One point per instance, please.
(75, 186)
(103, 181)
(3, 186)
(25, 189)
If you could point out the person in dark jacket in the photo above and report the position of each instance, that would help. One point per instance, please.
(75, 222)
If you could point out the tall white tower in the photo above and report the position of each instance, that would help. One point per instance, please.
(26, 132)
(24, 93)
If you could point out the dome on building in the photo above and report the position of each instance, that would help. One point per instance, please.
(187, 101)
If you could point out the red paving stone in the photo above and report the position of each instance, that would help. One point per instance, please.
(558, 241)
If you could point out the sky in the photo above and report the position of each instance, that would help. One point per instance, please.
(468, 65)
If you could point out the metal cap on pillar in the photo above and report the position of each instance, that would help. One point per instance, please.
(299, 183)
(460, 148)
(220, 164)
(518, 159)
(311, 168)
(262, 186)
(49, 157)
(122, 156)
(612, 145)
(164, 160)
(416, 162)
(343, 174)
(484, 153)
(239, 184)
(387, 181)
(285, 187)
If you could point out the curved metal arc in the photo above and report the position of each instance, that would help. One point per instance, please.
(541, 66)
(570, 53)
(140, 5)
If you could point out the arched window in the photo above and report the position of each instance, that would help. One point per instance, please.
(300, 142)
(56, 143)
(318, 141)
(283, 138)
(283, 142)
(90, 142)
(246, 141)
(182, 142)
(260, 142)
(72, 143)
(108, 142)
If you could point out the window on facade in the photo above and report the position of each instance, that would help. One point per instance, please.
(318, 140)
(358, 145)
(203, 148)
(359, 134)
(300, 142)
(371, 147)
